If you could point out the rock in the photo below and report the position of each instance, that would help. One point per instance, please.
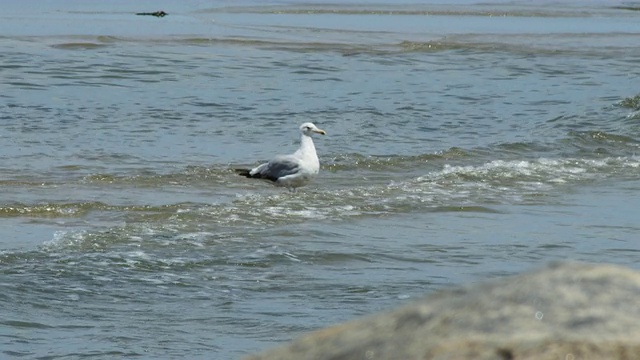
(562, 312)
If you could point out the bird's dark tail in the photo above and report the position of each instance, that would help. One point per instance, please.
(244, 172)
(247, 173)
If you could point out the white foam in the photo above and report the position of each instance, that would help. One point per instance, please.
(64, 238)
(540, 171)
(495, 181)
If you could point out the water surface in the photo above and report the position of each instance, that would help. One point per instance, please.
(465, 142)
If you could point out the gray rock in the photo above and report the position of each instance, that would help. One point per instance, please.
(563, 312)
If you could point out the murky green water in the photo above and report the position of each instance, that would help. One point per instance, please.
(465, 142)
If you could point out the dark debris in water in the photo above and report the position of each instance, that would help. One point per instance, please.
(631, 102)
(156, 14)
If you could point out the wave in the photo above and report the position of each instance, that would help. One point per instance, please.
(347, 162)
(190, 175)
(354, 42)
(486, 43)
(79, 45)
(602, 137)
(141, 229)
(541, 171)
(484, 10)
(437, 187)
(51, 209)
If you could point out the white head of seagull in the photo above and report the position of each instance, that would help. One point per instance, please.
(294, 170)
(309, 128)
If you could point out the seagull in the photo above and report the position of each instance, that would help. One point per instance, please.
(294, 170)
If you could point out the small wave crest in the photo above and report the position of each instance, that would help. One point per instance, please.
(442, 187)
(50, 209)
(190, 175)
(528, 176)
(398, 10)
(347, 162)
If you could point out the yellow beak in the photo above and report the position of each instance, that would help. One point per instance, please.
(320, 131)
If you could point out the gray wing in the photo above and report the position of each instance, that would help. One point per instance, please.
(278, 167)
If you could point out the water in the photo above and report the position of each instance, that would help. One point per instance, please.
(465, 142)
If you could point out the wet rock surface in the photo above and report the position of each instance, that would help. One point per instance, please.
(563, 311)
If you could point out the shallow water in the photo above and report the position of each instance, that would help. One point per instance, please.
(465, 142)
